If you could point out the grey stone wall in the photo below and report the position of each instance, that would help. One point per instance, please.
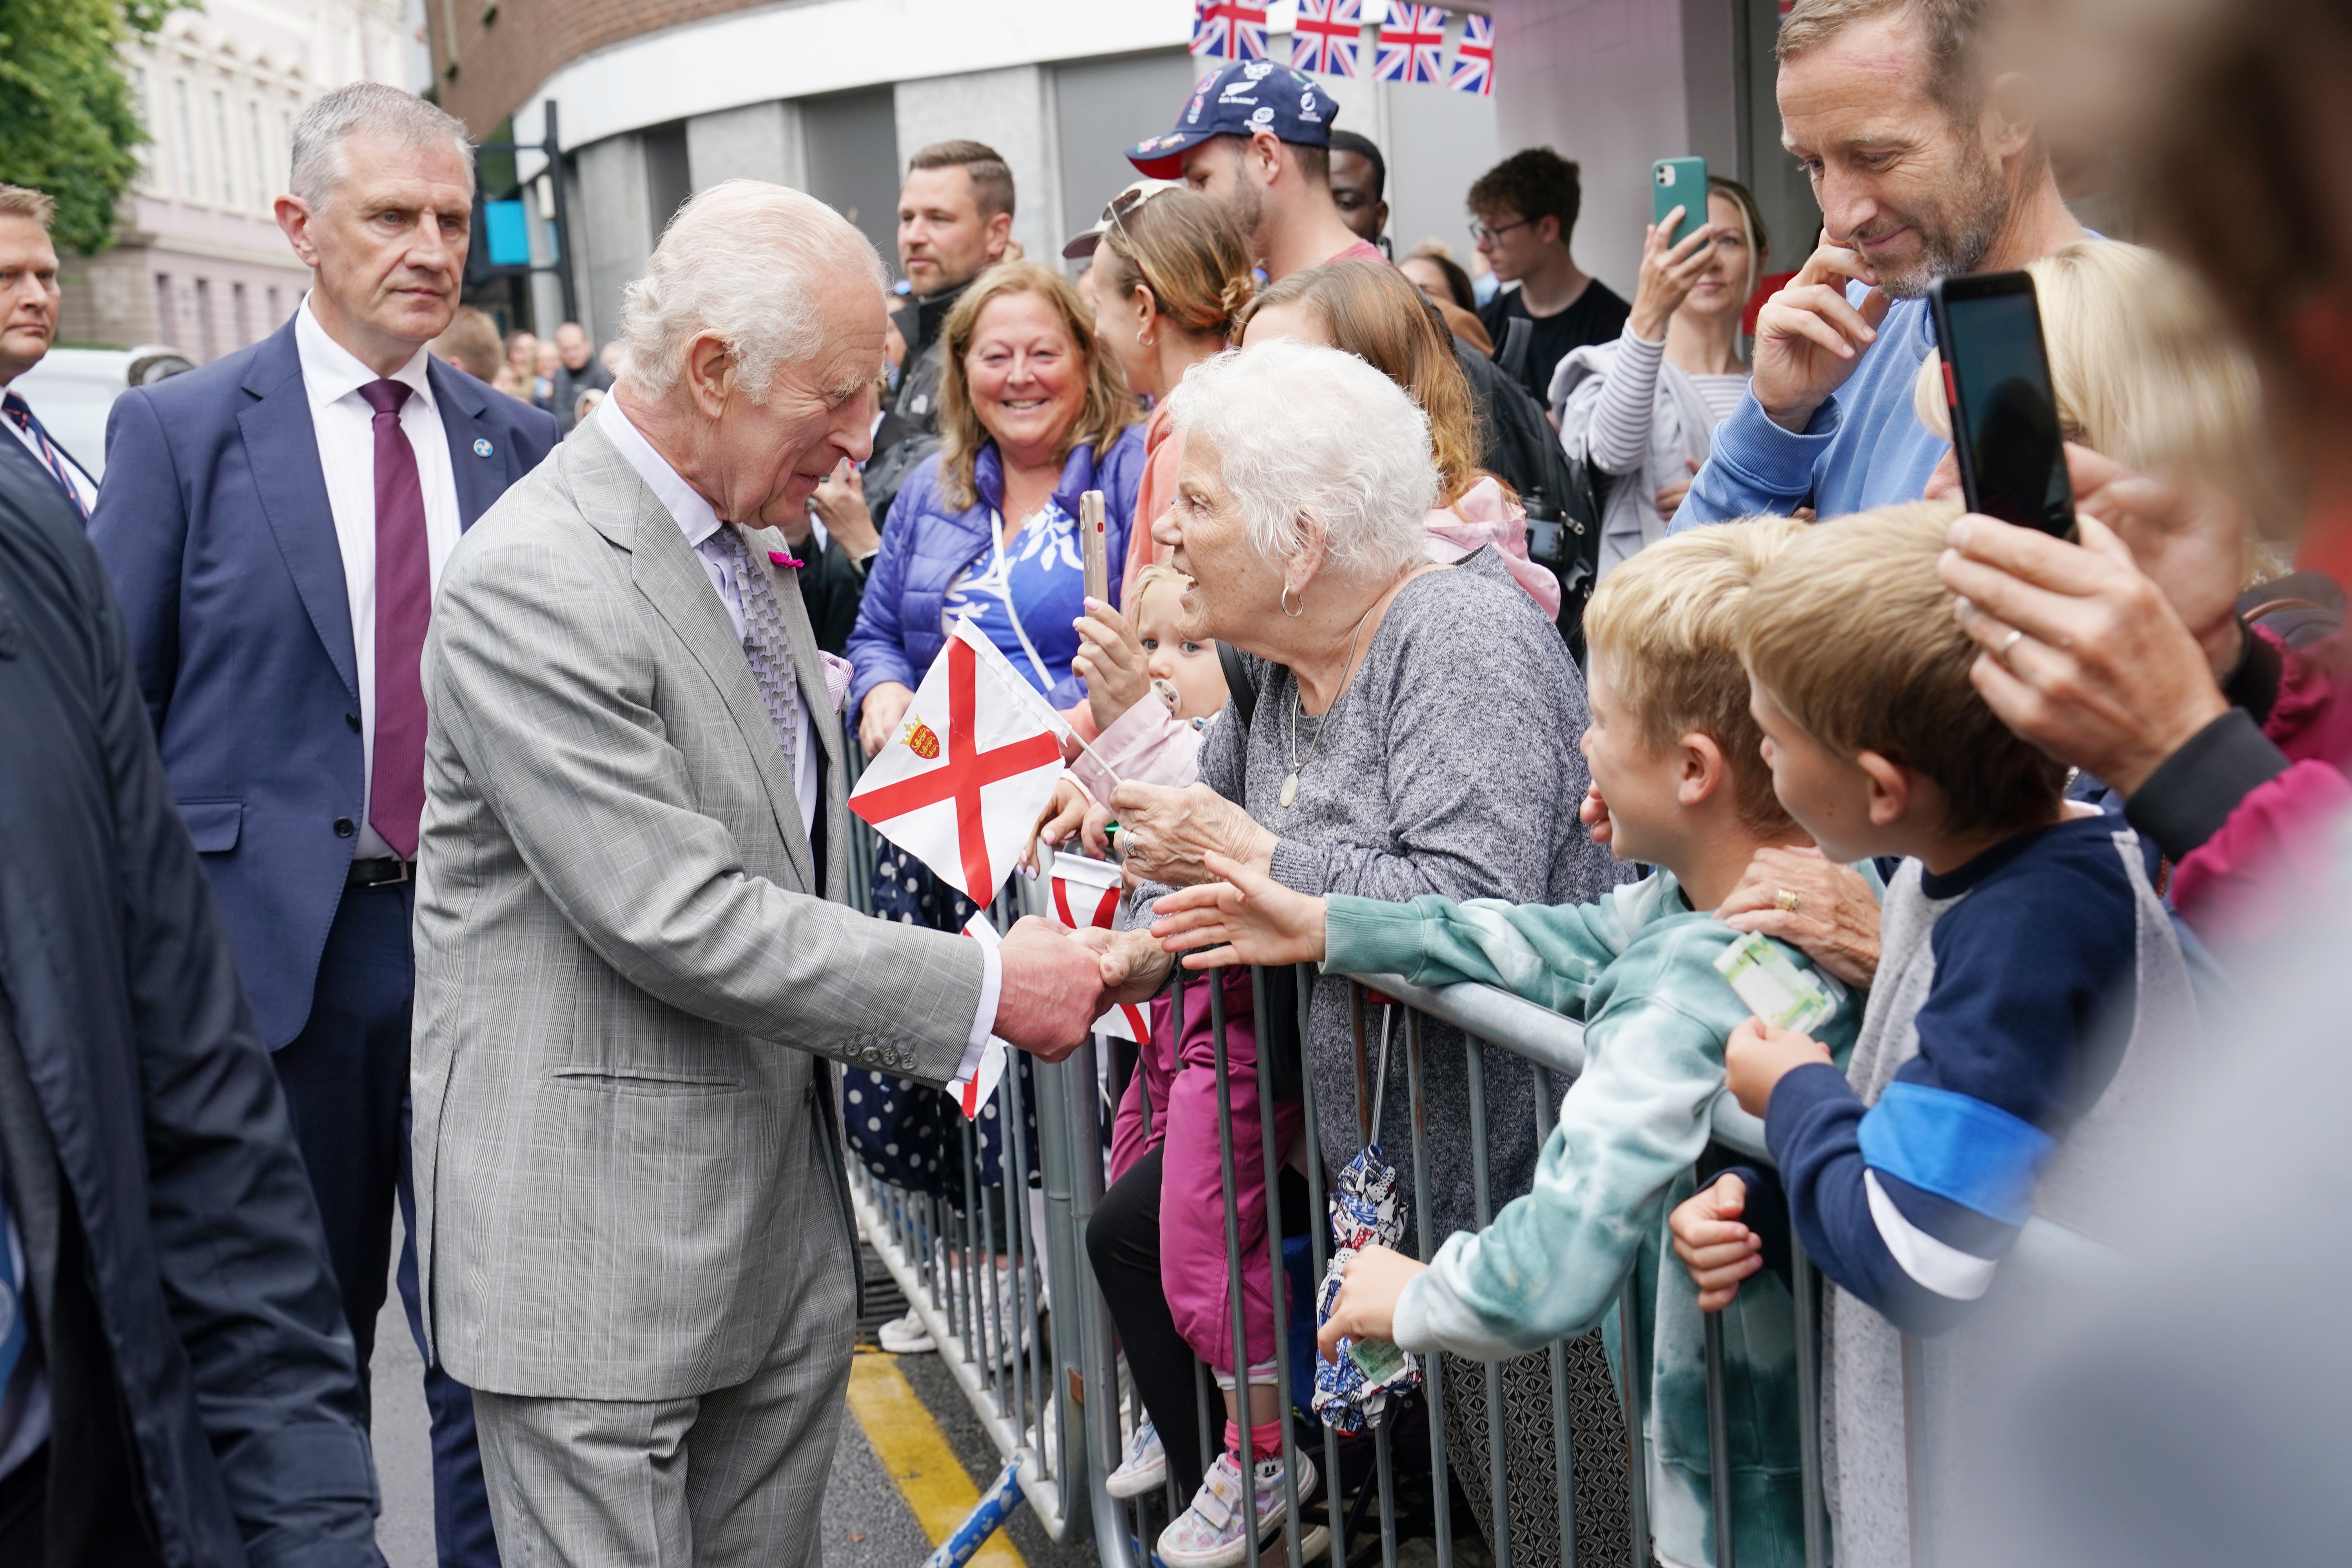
(1010, 111)
(757, 141)
(612, 227)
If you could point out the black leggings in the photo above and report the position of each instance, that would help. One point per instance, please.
(1123, 1242)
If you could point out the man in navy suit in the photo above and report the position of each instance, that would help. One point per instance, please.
(28, 325)
(275, 524)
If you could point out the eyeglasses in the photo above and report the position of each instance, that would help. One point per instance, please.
(1480, 234)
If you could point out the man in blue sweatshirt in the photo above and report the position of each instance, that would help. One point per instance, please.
(1925, 162)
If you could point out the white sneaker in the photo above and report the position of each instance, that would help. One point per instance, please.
(905, 1336)
(1145, 1467)
(1209, 1535)
(1010, 1329)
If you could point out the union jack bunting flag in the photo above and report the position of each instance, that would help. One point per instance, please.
(1413, 44)
(1230, 29)
(1473, 58)
(1323, 41)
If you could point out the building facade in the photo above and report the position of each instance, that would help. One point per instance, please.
(660, 99)
(200, 263)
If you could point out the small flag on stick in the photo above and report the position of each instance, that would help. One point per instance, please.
(1086, 893)
(962, 785)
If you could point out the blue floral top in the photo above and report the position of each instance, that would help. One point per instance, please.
(1024, 595)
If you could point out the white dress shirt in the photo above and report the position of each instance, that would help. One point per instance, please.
(345, 428)
(700, 524)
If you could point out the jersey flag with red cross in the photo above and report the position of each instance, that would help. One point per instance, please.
(962, 785)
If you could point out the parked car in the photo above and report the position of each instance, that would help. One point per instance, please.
(72, 389)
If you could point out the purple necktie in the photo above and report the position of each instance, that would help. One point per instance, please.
(404, 602)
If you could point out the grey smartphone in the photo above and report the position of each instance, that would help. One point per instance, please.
(1094, 546)
(1678, 183)
(2005, 434)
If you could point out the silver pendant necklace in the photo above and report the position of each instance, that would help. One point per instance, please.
(1289, 796)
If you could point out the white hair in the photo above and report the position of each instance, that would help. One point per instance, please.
(322, 126)
(745, 262)
(1300, 430)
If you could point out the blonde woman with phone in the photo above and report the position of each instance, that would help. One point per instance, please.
(1643, 410)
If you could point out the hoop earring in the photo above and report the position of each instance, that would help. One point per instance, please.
(1286, 610)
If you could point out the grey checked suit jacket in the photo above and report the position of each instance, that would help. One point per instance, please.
(625, 960)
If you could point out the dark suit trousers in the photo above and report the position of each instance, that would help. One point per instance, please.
(346, 1078)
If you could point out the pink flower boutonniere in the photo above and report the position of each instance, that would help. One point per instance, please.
(781, 559)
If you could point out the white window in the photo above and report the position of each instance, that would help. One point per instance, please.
(224, 154)
(265, 177)
(183, 127)
(145, 111)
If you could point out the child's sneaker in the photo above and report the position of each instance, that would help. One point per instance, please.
(1145, 1467)
(1210, 1534)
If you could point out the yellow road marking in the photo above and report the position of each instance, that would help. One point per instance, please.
(915, 1453)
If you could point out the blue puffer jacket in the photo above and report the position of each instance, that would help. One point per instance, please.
(901, 624)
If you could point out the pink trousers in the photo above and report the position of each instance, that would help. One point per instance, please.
(1183, 1085)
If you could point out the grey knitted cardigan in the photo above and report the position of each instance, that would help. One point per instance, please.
(1450, 765)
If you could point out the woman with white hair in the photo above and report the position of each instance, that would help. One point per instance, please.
(1405, 727)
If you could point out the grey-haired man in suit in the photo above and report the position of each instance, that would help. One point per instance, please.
(633, 1217)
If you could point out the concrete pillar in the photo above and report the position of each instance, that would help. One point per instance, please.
(757, 141)
(1010, 111)
(612, 228)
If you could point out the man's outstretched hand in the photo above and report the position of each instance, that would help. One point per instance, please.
(1053, 990)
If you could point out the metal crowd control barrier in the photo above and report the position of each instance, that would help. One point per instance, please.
(1051, 1398)
(983, 1274)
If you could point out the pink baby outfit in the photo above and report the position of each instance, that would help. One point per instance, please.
(1485, 515)
(1182, 1085)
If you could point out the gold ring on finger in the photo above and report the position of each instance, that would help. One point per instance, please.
(1786, 900)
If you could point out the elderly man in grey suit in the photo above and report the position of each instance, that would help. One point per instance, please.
(633, 1218)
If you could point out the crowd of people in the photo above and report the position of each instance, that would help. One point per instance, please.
(428, 754)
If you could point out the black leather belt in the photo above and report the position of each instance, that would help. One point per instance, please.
(384, 871)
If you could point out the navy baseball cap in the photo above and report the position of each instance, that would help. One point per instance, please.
(1245, 97)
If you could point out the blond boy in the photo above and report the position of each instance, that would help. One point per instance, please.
(2022, 952)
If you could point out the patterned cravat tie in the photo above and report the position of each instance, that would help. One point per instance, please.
(20, 414)
(765, 642)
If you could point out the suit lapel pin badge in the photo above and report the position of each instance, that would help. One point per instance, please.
(482, 447)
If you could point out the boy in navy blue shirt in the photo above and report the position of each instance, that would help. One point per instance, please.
(2022, 950)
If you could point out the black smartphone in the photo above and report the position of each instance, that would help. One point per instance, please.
(2005, 432)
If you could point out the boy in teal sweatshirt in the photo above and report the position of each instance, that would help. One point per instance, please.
(1678, 784)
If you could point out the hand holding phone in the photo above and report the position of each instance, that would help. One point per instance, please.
(1094, 546)
(2005, 435)
(1678, 183)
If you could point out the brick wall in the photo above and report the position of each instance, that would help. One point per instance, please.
(497, 63)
